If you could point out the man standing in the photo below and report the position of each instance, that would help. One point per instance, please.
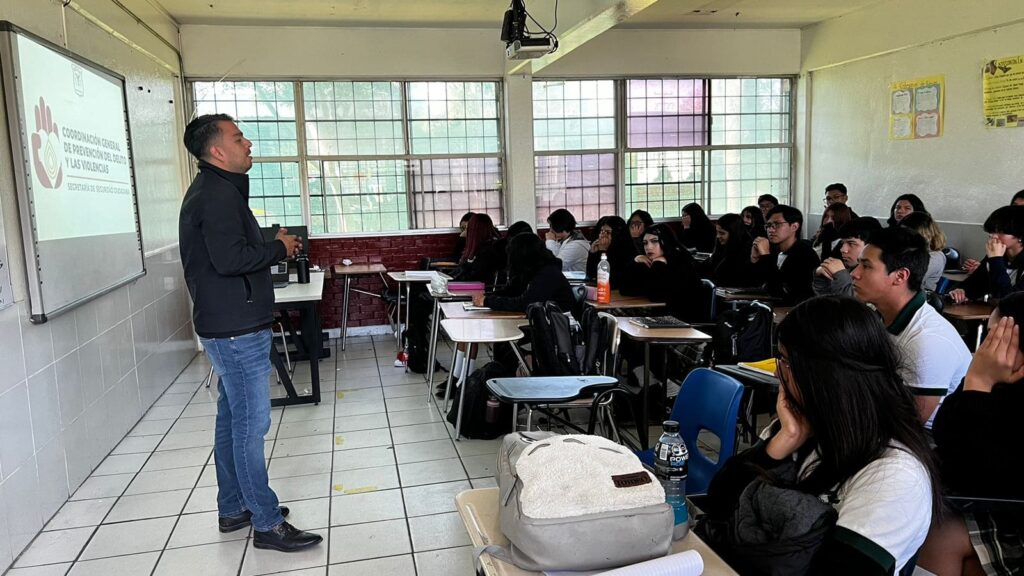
(889, 278)
(786, 262)
(227, 270)
(833, 276)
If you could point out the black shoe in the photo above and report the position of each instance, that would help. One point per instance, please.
(439, 391)
(232, 523)
(285, 538)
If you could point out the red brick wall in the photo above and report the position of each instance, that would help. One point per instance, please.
(396, 252)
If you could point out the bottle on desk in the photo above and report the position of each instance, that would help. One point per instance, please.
(604, 280)
(671, 466)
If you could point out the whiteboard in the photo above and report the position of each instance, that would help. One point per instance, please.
(71, 142)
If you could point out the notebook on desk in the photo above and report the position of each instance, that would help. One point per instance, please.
(651, 322)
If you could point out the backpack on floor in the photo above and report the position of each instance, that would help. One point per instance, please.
(564, 347)
(742, 335)
(474, 414)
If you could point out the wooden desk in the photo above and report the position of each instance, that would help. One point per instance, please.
(955, 275)
(306, 299)
(455, 311)
(649, 336)
(348, 272)
(624, 302)
(479, 511)
(474, 332)
(968, 311)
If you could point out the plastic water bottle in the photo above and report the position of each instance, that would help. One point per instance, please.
(604, 280)
(671, 465)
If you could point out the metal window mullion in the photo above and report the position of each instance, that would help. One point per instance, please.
(499, 93)
(410, 190)
(705, 155)
(300, 135)
(620, 146)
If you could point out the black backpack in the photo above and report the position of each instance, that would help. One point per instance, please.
(563, 347)
(474, 415)
(742, 335)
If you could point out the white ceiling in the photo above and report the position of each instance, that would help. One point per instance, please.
(488, 13)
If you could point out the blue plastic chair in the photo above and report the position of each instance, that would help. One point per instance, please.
(708, 400)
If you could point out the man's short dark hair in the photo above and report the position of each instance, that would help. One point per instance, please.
(837, 186)
(861, 228)
(790, 214)
(1006, 220)
(1017, 196)
(903, 248)
(562, 220)
(769, 198)
(201, 132)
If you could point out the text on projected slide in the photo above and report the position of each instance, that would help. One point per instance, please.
(81, 177)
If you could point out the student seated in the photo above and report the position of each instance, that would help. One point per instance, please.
(613, 240)
(1018, 199)
(999, 273)
(826, 239)
(833, 276)
(905, 204)
(729, 265)
(766, 202)
(460, 242)
(566, 242)
(753, 218)
(848, 436)
(924, 224)
(665, 273)
(484, 254)
(639, 221)
(889, 278)
(978, 438)
(532, 266)
(836, 194)
(698, 231)
(783, 260)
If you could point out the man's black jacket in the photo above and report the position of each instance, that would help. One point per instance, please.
(226, 261)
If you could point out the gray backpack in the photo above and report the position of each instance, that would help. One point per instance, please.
(578, 502)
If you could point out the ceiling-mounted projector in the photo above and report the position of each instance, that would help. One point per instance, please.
(530, 48)
(520, 43)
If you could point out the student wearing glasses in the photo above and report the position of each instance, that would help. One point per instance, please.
(766, 202)
(783, 260)
(836, 194)
(847, 439)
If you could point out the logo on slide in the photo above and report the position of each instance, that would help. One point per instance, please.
(47, 152)
(78, 79)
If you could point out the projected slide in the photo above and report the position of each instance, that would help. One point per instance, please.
(80, 174)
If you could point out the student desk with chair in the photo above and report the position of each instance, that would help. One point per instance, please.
(620, 302)
(647, 337)
(348, 273)
(305, 298)
(479, 512)
(409, 278)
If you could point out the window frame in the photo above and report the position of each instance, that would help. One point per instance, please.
(407, 157)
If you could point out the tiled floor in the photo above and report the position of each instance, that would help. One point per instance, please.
(373, 469)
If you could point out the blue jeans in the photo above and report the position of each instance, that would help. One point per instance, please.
(243, 419)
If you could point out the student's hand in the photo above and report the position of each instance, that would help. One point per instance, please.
(292, 243)
(660, 259)
(970, 265)
(600, 245)
(833, 265)
(635, 228)
(642, 260)
(958, 296)
(760, 248)
(998, 359)
(823, 272)
(550, 235)
(794, 432)
(994, 248)
(478, 299)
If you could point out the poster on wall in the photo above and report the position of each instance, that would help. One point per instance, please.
(915, 108)
(1003, 92)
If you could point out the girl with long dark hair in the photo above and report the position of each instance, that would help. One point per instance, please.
(639, 221)
(532, 265)
(698, 231)
(827, 239)
(665, 273)
(905, 204)
(614, 241)
(484, 254)
(754, 220)
(851, 428)
(729, 265)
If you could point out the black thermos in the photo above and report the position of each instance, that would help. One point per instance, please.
(302, 269)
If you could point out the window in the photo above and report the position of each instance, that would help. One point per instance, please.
(574, 138)
(373, 156)
(721, 142)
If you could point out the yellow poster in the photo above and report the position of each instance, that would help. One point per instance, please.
(915, 108)
(1003, 92)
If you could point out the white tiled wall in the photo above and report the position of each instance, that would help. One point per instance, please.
(70, 389)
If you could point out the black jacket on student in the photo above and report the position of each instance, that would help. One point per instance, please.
(548, 283)
(621, 260)
(792, 280)
(488, 261)
(225, 259)
(676, 284)
(700, 239)
(993, 277)
(731, 269)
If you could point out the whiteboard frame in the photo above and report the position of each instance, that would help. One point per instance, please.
(9, 61)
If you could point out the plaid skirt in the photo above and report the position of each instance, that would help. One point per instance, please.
(998, 540)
